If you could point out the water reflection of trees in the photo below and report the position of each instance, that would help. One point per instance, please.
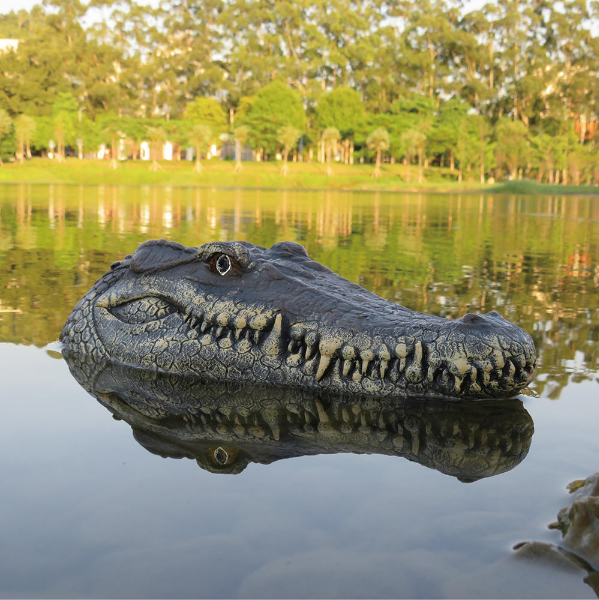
(532, 258)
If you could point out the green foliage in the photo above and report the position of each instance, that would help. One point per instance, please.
(208, 112)
(288, 136)
(275, 106)
(413, 141)
(65, 103)
(241, 134)
(7, 139)
(512, 144)
(378, 140)
(341, 109)
(157, 135)
(24, 126)
(5, 123)
(201, 136)
(430, 66)
(330, 136)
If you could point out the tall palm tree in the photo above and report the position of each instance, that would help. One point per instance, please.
(414, 141)
(241, 135)
(378, 141)
(5, 125)
(201, 136)
(287, 137)
(330, 137)
(24, 127)
(157, 136)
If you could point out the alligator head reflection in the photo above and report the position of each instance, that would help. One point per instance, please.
(225, 426)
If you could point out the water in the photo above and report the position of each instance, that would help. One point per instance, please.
(88, 511)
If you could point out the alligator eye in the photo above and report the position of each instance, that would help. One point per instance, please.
(224, 265)
(222, 456)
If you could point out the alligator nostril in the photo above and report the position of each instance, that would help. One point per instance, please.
(494, 313)
(472, 318)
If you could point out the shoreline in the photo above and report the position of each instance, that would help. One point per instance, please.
(308, 177)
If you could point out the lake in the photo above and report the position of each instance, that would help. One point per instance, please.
(89, 510)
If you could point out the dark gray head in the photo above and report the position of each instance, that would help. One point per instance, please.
(235, 311)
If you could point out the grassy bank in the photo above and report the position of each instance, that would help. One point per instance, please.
(219, 173)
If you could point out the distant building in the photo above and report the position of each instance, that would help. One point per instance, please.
(144, 151)
(6, 45)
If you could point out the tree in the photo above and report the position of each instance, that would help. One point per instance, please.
(112, 130)
(208, 112)
(343, 110)
(511, 150)
(330, 137)
(201, 137)
(378, 141)
(467, 150)
(444, 134)
(414, 142)
(274, 107)
(24, 128)
(64, 110)
(241, 135)
(135, 130)
(5, 126)
(157, 137)
(288, 137)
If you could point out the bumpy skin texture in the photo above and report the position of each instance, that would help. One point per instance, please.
(239, 312)
(226, 426)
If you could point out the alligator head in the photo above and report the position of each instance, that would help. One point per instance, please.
(225, 426)
(235, 311)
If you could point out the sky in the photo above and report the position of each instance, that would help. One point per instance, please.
(8, 5)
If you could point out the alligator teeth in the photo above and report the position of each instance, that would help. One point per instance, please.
(366, 356)
(273, 343)
(297, 333)
(322, 366)
(259, 322)
(348, 352)
(219, 331)
(256, 337)
(311, 340)
(394, 373)
(347, 364)
(222, 319)
(401, 350)
(384, 366)
(203, 326)
(414, 373)
(272, 420)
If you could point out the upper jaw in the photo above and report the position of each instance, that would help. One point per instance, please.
(369, 343)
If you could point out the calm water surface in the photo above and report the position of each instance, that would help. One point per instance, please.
(87, 511)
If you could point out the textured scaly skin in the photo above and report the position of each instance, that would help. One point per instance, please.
(281, 318)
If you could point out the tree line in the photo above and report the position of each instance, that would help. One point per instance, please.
(508, 90)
